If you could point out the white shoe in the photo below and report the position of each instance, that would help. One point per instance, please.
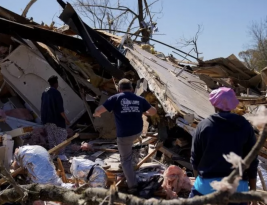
(63, 157)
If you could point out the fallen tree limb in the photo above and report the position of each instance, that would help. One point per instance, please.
(96, 195)
(7, 176)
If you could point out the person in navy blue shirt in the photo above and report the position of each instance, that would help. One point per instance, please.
(128, 109)
(53, 116)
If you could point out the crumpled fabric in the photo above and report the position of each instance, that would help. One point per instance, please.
(224, 99)
(39, 137)
(80, 169)
(175, 180)
(38, 163)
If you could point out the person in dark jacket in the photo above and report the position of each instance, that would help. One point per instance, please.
(218, 135)
(53, 116)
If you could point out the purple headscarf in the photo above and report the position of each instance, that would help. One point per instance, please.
(224, 99)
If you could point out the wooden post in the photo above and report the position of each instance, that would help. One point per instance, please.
(147, 157)
(62, 171)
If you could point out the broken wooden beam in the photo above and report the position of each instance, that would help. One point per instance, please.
(62, 144)
(173, 155)
(148, 156)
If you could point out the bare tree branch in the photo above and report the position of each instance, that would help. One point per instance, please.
(96, 195)
(147, 11)
(192, 42)
(7, 176)
(27, 8)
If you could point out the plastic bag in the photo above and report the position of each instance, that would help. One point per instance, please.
(38, 163)
(80, 168)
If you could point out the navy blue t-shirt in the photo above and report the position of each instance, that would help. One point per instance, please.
(128, 109)
(52, 107)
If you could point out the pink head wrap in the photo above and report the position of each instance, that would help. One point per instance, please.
(224, 99)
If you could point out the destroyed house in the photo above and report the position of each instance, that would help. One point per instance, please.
(89, 68)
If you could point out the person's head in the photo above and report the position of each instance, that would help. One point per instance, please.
(223, 99)
(125, 85)
(53, 81)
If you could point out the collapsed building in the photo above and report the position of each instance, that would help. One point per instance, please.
(89, 68)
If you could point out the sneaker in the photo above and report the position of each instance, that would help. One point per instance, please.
(63, 157)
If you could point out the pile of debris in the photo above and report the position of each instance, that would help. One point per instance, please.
(89, 69)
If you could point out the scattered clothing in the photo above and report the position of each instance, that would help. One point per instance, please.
(128, 109)
(55, 136)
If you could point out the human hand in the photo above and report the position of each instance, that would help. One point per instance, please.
(96, 115)
(253, 203)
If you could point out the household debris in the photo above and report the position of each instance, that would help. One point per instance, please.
(89, 69)
(175, 179)
(88, 171)
(40, 167)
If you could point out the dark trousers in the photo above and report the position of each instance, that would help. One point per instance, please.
(194, 192)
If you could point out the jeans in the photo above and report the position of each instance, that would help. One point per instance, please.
(125, 148)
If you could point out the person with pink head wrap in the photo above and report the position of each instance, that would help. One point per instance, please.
(224, 99)
(218, 135)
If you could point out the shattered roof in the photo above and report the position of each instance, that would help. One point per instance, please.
(186, 92)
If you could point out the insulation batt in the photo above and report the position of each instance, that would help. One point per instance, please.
(175, 180)
(38, 163)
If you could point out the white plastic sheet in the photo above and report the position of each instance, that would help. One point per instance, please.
(80, 169)
(38, 163)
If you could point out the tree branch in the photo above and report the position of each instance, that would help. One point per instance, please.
(155, 41)
(147, 11)
(7, 176)
(25, 11)
(121, 8)
(96, 195)
(251, 155)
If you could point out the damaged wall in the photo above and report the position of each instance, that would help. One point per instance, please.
(27, 73)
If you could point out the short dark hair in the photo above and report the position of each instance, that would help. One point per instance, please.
(125, 84)
(53, 80)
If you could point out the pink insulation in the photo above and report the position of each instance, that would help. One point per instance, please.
(20, 113)
(175, 180)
